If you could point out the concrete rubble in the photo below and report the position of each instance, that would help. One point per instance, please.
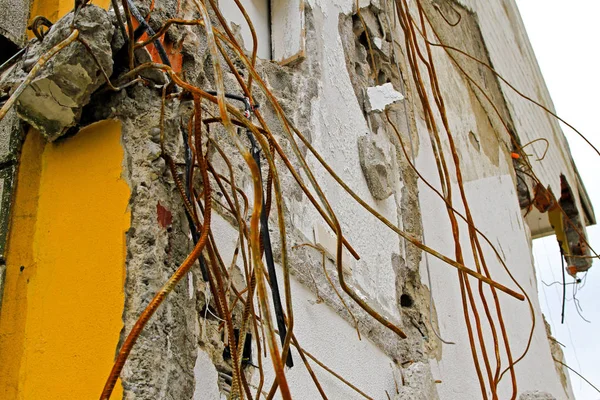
(54, 101)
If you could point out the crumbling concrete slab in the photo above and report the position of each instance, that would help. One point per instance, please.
(54, 100)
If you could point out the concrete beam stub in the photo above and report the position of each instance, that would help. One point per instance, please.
(54, 100)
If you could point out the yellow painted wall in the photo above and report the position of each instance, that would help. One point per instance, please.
(56, 9)
(63, 300)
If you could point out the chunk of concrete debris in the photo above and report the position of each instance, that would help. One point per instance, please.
(375, 168)
(379, 97)
(374, 3)
(54, 100)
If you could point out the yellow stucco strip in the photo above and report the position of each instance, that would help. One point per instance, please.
(56, 9)
(76, 260)
(13, 314)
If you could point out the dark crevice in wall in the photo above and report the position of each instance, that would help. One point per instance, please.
(7, 49)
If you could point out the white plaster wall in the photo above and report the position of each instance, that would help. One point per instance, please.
(334, 342)
(490, 190)
(321, 332)
(287, 24)
(512, 56)
(258, 11)
(336, 124)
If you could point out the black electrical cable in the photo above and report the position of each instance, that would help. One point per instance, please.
(14, 58)
(266, 238)
(243, 99)
(145, 27)
(564, 296)
(264, 230)
(120, 22)
(193, 229)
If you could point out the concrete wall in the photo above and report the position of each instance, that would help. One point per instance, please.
(336, 123)
(329, 97)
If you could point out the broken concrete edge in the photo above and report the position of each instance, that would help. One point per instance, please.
(53, 102)
(7, 177)
(7, 180)
(11, 138)
(375, 168)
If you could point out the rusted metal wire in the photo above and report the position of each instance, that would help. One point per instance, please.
(221, 43)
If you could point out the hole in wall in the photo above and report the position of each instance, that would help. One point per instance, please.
(406, 301)
(382, 78)
(7, 49)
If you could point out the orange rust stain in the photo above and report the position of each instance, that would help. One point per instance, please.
(173, 50)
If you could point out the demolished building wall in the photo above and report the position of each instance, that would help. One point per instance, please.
(351, 93)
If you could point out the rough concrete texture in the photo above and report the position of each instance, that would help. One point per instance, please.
(375, 168)
(11, 137)
(7, 176)
(54, 100)
(13, 20)
(162, 362)
(417, 383)
(536, 395)
(557, 354)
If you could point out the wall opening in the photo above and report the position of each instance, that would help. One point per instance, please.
(7, 49)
